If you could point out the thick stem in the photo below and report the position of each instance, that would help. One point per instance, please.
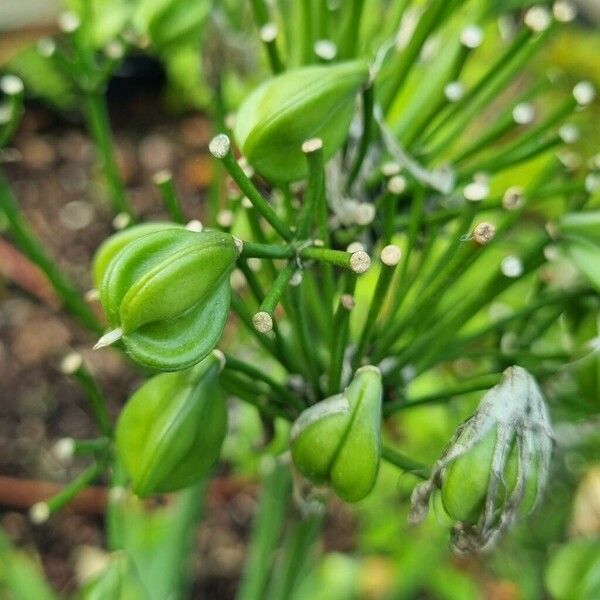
(266, 530)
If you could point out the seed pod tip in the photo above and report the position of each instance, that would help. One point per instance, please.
(239, 244)
(109, 338)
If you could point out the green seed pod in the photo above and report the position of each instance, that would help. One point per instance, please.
(495, 467)
(116, 242)
(285, 111)
(573, 573)
(581, 238)
(171, 430)
(338, 441)
(167, 294)
(465, 482)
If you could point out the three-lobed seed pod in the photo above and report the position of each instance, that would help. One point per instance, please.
(466, 481)
(337, 442)
(166, 291)
(171, 430)
(496, 466)
(581, 237)
(286, 110)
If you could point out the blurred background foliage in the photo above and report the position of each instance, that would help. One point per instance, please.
(391, 560)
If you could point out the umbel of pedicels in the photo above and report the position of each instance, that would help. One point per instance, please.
(337, 442)
(165, 291)
(309, 102)
(496, 466)
(170, 433)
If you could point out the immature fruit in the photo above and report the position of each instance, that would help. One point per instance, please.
(465, 482)
(338, 441)
(171, 430)
(168, 294)
(496, 465)
(285, 111)
(581, 237)
(116, 242)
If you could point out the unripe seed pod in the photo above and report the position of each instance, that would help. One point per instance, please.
(304, 103)
(116, 242)
(167, 293)
(338, 441)
(171, 430)
(496, 466)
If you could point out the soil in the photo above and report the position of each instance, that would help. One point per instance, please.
(50, 169)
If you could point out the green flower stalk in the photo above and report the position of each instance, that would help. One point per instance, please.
(495, 467)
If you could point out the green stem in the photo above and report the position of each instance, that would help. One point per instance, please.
(99, 126)
(259, 374)
(341, 326)
(220, 148)
(482, 382)
(266, 530)
(348, 44)
(166, 187)
(388, 268)
(368, 98)
(27, 241)
(252, 394)
(313, 149)
(95, 398)
(307, 345)
(80, 483)
(404, 462)
(258, 250)
(357, 262)
(268, 37)
(273, 296)
(294, 557)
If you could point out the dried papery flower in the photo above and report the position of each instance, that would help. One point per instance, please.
(495, 467)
